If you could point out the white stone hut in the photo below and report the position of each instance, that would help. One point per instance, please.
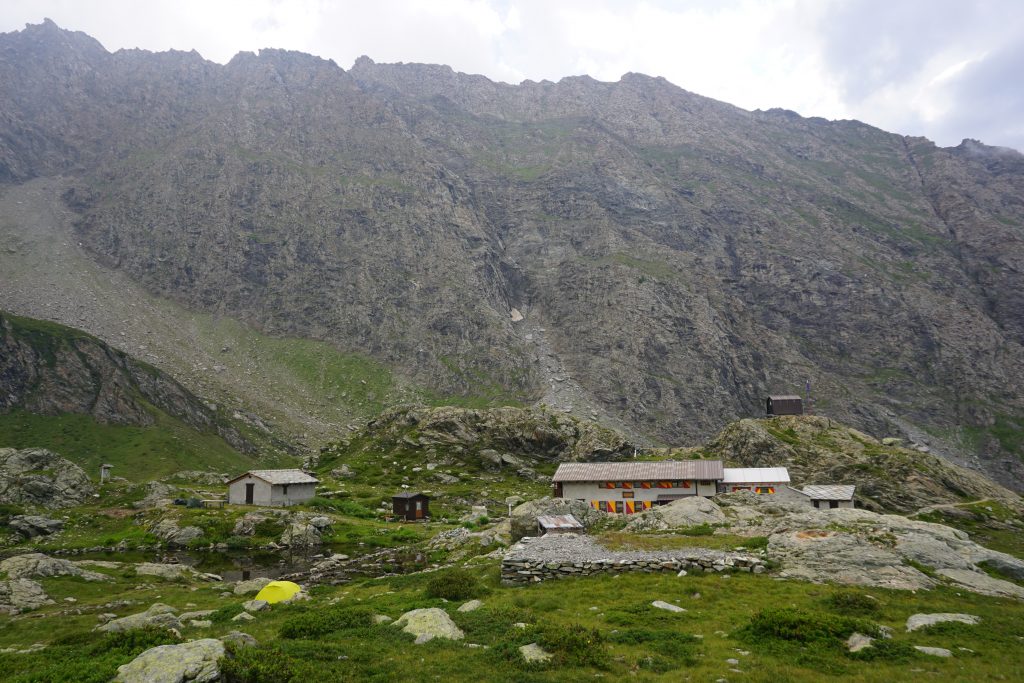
(830, 496)
(764, 480)
(271, 487)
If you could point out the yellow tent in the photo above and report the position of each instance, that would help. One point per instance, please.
(277, 591)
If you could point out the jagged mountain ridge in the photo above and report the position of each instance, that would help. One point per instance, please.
(675, 258)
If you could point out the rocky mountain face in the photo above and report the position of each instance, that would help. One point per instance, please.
(50, 369)
(629, 251)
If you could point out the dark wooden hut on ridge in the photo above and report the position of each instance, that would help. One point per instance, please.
(411, 505)
(785, 405)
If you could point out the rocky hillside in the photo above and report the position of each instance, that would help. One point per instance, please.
(629, 251)
(66, 390)
(819, 450)
(50, 369)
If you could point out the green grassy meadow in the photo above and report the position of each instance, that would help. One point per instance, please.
(596, 627)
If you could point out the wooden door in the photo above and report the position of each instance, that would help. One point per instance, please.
(419, 509)
(249, 491)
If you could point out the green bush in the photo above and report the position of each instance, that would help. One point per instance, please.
(256, 665)
(885, 650)
(574, 645)
(454, 584)
(225, 614)
(317, 623)
(849, 602)
(342, 506)
(670, 648)
(756, 542)
(238, 543)
(268, 528)
(799, 625)
(699, 530)
(134, 641)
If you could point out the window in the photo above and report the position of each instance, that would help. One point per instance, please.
(681, 484)
(664, 484)
(627, 484)
(284, 489)
(646, 485)
(608, 485)
(627, 494)
(764, 489)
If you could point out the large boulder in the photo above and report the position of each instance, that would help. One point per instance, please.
(247, 523)
(164, 571)
(429, 623)
(39, 565)
(158, 494)
(916, 621)
(523, 520)
(197, 661)
(250, 586)
(301, 534)
(158, 615)
(36, 476)
(685, 512)
(30, 526)
(17, 595)
(169, 531)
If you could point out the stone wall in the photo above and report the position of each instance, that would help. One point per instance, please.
(515, 570)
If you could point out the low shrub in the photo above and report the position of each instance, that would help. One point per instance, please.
(224, 614)
(455, 584)
(799, 625)
(317, 623)
(134, 641)
(699, 530)
(670, 648)
(885, 650)
(342, 506)
(256, 665)
(573, 645)
(849, 602)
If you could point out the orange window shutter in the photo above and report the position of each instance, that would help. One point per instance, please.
(627, 484)
(629, 507)
(664, 484)
(645, 485)
(686, 484)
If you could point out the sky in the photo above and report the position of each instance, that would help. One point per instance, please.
(944, 69)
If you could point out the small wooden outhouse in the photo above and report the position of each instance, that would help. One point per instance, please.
(785, 405)
(411, 505)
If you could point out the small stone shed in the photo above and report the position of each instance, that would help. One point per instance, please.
(785, 405)
(830, 496)
(559, 524)
(271, 487)
(411, 505)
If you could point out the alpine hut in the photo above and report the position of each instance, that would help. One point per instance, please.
(271, 487)
(785, 405)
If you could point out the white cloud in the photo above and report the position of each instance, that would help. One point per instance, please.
(898, 65)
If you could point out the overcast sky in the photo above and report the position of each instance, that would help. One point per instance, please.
(946, 69)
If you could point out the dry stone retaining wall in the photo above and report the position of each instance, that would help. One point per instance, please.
(560, 557)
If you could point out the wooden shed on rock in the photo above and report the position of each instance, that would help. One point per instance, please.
(785, 405)
(411, 505)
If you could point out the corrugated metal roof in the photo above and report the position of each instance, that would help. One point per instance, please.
(637, 471)
(830, 492)
(281, 476)
(559, 522)
(785, 397)
(410, 494)
(756, 475)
